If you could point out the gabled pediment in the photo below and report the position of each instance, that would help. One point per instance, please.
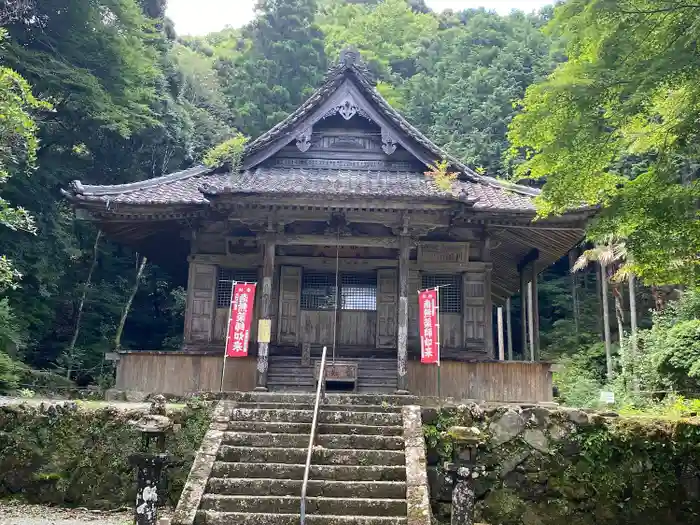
(357, 124)
(349, 95)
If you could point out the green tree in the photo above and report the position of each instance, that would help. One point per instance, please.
(282, 66)
(469, 75)
(18, 147)
(388, 33)
(617, 125)
(124, 110)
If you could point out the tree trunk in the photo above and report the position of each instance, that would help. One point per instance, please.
(618, 290)
(606, 321)
(574, 289)
(127, 306)
(599, 278)
(81, 305)
(633, 329)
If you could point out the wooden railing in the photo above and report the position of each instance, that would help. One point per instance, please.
(312, 436)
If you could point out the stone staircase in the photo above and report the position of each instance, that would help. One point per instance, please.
(358, 472)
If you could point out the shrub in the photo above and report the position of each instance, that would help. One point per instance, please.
(680, 355)
(228, 152)
(9, 373)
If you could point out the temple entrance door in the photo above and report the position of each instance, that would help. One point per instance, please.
(357, 317)
(387, 299)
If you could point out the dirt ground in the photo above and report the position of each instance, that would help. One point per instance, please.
(19, 514)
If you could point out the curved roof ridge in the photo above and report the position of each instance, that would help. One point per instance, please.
(113, 189)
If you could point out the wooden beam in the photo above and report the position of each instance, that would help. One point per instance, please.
(331, 240)
(534, 226)
(299, 213)
(328, 263)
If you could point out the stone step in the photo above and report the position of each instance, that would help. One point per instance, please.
(305, 428)
(320, 456)
(306, 416)
(376, 389)
(297, 371)
(291, 504)
(248, 439)
(384, 407)
(308, 398)
(222, 469)
(205, 517)
(315, 488)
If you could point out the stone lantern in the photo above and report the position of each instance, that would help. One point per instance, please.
(464, 470)
(151, 461)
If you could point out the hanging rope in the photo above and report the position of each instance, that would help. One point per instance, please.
(337, 290)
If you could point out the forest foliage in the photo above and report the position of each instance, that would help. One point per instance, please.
(113, 94)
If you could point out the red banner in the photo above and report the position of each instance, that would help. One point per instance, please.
(429, 341)
(242, 302)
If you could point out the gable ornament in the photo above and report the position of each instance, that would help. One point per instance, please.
(388, 141)
(347, 109)
(304, 139)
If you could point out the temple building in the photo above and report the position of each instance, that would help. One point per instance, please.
(333, 215)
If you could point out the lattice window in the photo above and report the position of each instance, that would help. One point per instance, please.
(450, 291)
(225, 281)
(358, 291)
(318, 291)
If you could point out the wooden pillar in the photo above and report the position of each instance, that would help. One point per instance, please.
(402, 333)
(531, 321)
(265, 310)
(488, 304)
(488, 316)
(523, 314)
(509, 330)
(535, 314)
(501, 342)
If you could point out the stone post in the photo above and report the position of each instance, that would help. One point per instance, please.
(463, 498)
(402, 341)
(464, 471)
(266, 309)
(149, 464)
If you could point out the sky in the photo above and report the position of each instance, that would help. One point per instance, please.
(198, 17)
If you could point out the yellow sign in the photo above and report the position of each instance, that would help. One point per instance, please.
(264, 329)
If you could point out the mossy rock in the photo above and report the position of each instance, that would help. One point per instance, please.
(503, 506)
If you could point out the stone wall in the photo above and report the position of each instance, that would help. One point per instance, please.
(550, 466)
(71, 454)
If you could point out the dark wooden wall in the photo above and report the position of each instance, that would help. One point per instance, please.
(180, 373)
(488, 381)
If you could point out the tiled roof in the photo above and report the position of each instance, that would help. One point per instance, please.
(181, 187)
(196, 186)
(193, 186)
(363, 183)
